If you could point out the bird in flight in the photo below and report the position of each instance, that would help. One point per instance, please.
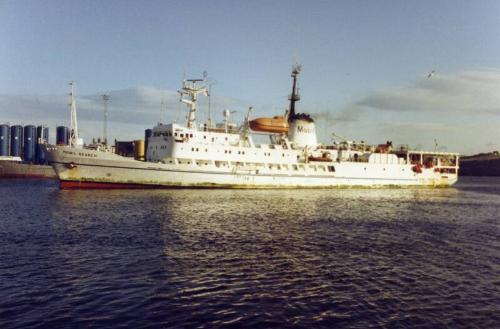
(430, 74)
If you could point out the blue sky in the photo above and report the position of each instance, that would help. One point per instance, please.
(364, 63)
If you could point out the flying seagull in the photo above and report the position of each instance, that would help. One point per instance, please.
(430, 74)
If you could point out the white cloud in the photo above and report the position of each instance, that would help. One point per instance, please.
(470, 92)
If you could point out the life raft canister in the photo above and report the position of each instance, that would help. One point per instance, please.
(417, 168)
(429, 164)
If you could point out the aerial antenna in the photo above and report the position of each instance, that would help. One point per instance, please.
(205, 77)
(73, 137)
(163, 106)
(210, 83)
(209, 116)
(105, 99)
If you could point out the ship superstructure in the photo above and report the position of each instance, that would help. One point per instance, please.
(194, 155)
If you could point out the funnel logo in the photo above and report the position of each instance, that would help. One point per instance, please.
(302, 129)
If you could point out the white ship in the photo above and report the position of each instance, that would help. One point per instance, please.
(225, 156)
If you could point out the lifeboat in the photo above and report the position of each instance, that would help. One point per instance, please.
(276, 125)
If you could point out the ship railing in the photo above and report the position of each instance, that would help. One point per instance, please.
(438, 159)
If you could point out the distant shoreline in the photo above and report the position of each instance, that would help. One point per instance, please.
(482, 164)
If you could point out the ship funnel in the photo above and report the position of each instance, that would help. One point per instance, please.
(302, 131)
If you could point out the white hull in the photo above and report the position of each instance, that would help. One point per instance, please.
(94, 169)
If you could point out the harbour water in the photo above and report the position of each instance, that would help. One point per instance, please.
(363, 258)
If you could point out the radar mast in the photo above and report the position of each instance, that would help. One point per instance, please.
(294, 96)
(191, 90)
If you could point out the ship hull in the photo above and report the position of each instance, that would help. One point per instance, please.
(100, 170)
(14, 169)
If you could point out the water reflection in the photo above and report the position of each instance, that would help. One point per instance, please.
(250, 258)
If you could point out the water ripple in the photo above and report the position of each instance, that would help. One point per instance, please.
(234, 259)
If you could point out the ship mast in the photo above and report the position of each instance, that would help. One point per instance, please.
(73, 137)
(190, 90)
(294, 96)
